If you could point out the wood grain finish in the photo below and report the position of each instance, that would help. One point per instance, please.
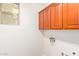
(41, 22)
(47, 18)
(56, 16)
(70, 16)
(60, 16)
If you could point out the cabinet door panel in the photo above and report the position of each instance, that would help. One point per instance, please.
(47, 18)
(70, 16)
(41, 18)
(78, 12)
(56, 16)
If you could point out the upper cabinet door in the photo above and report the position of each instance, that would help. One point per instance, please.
(78, 13)
(41, 18)
(70, 16)
(56, 16)
(47, 18)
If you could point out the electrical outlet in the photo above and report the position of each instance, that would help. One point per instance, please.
(52, 39)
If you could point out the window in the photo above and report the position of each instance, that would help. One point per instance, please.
(9, 13)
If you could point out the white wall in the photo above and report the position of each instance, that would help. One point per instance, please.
(58, 47)
(71, 36)
(66, 40)
(25, 38)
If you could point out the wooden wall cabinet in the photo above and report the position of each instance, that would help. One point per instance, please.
(71, 16)
(47, 18)
(41, 20)
(60, 16)
(56, 16)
